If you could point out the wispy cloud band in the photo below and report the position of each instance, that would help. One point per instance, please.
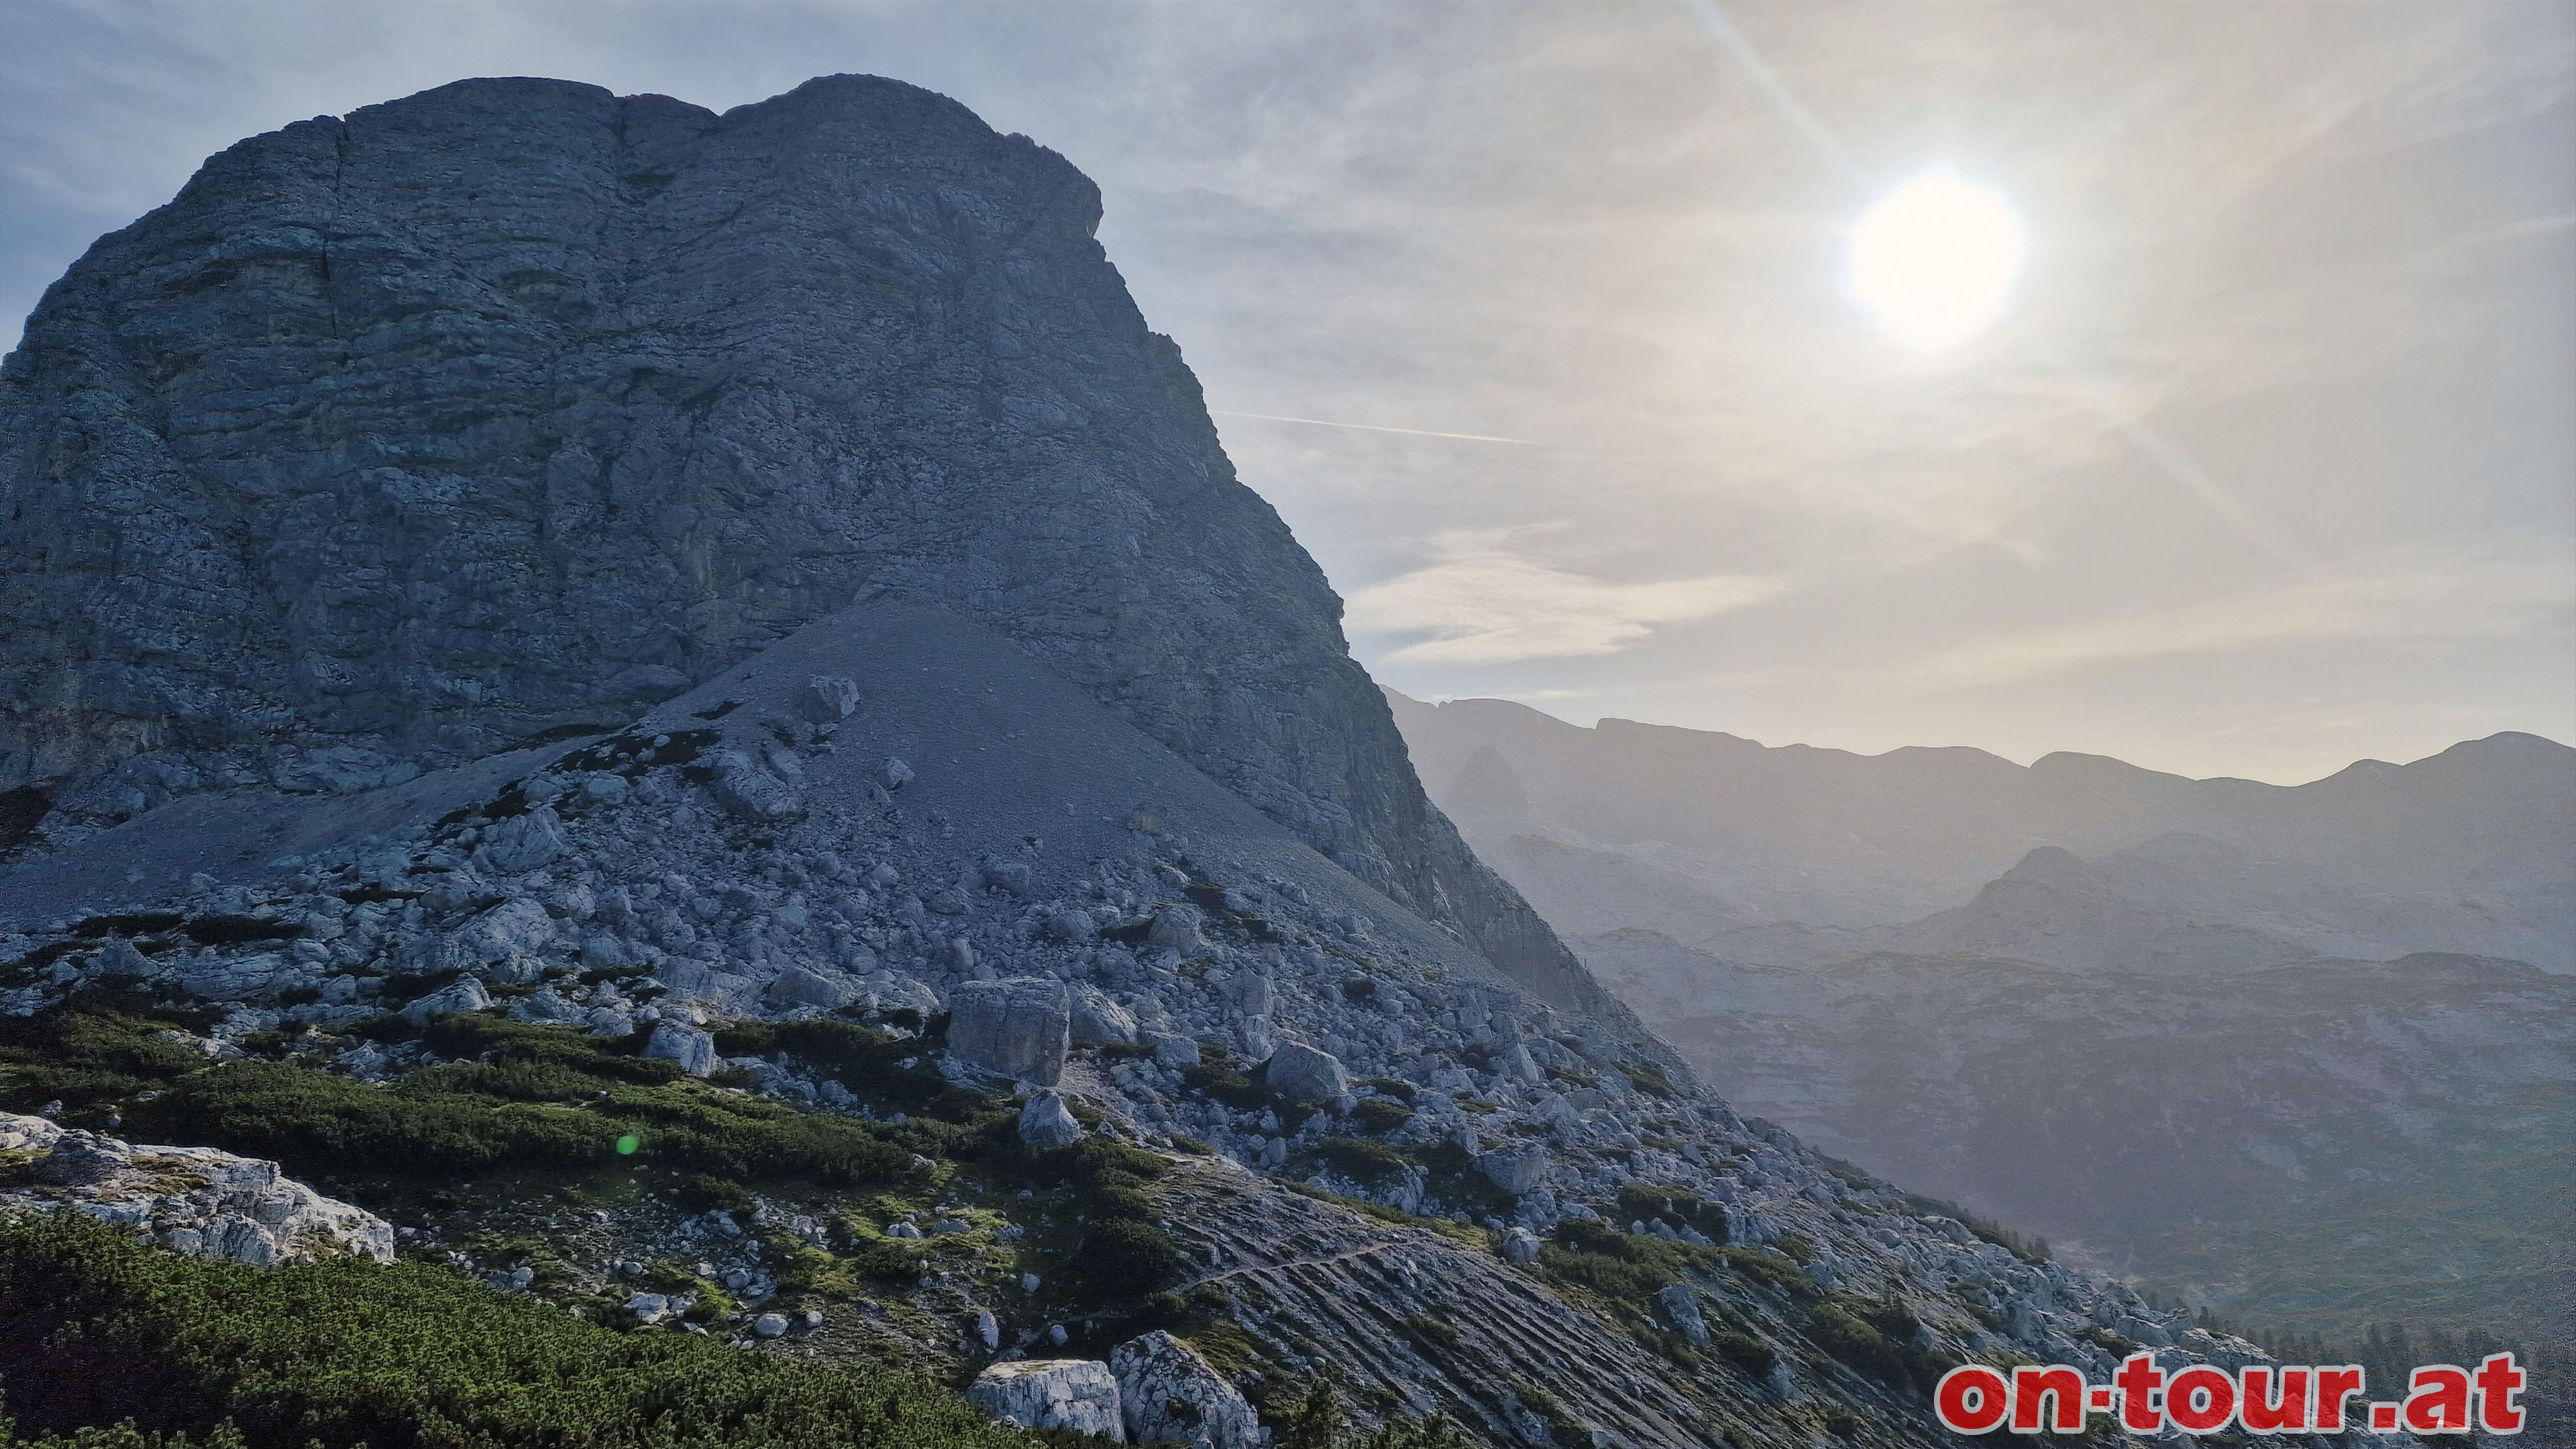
(1483, 602)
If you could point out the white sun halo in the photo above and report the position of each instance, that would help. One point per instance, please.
(1934, 261)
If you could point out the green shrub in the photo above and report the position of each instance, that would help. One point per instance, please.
(1376, 1116)
(2102, 1338)
(1862, 1334)
(866, 1061)
(1745, 1351)
(1127, 1258)
(1626, 1269)
(1769, 1270)
(1362, 1159)
(1678, 1206)
(539, 1102)
(86, 1057)
(1219, 1080)
(2029, 1250)
(122, 1435)
(1649, 1079)
(404, 1357)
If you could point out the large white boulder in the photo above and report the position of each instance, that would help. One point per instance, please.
(749, 792)
(797, 986)
(1018, 1027)
(693, 1049)
(1680, 1303)
(1096, 1020)
(1177, 928)
(197, 1200)
(828, 698)
(465, 995)
(1516, 1168)
(503, 943)
(1052, 1393)
(1047, 1122)
(1304, 1074)
(1169, 1395)
(523, 842)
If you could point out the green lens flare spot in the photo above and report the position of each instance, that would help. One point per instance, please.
(627, 1144)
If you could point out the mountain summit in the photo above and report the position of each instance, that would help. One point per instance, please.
(515, 406)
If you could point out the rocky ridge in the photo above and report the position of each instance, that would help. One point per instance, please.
(194, 1200)
(515, 405)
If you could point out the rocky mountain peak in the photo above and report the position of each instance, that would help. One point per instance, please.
(516, 406)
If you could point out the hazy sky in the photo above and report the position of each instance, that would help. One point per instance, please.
(2269, 464)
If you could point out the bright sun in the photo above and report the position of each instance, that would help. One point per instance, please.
(1934, 260)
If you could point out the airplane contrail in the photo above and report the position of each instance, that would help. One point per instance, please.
(1374, 428)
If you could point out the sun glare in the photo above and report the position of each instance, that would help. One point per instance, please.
(1934, 261)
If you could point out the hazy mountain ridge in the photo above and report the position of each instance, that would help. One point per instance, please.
(1698, 834)
(2324, 1144)
(2284, 1050)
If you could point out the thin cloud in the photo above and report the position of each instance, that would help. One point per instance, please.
(1484, 603)
(2384, 598)
(1375, 428)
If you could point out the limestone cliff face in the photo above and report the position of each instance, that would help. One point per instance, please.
(400, 437)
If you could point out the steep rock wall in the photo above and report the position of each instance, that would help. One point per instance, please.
(399, 437)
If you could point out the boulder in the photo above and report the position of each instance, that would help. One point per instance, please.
(1095, 1020)
(1681, 1308)
(693, 1049)
(465, 995)
(1304, 1074)
(1251, 993)
(118, 959)
(546, 1005)
(1013, 876)
(523, 842)
(606, 952)
(197, 1200)
(1176, 927)
(1079, 1394)
(749, 792)
(1172, 1049)
(1018, 1027)
(502, 943)
(797, 986)
(1516, 1168)
(828, 698)
(895, 773)
(1167, 1394)
(28, 1134)
(1047, 1122)
(1520, 1245)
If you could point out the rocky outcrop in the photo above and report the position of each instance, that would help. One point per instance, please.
(1170, 1395)
(1047, 1122)
(1301, 1073)
(197, 1200)
(1018, 1028)
(329, 471)
(1079, 1394)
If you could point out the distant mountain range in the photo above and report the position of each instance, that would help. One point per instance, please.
(2319, 1145)
(1795, 856)
(2306, 1053)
